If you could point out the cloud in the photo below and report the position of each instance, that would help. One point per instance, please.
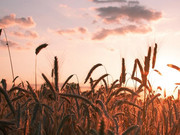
(15, 45)
(63, 6)
(81, 30)
(135, 13)
(10, 43)
(65, 31)
(26, 34)
(11, 20)
(120, 31)
(107, 1)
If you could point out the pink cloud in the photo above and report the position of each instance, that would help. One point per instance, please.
(14, 45)
(131, 13)
(26, 34)
(65, 31)
(108, 1)
(120, 31)
(71, 31)
(10, 43)
(11, 20)
(63, 6)
(82, 30)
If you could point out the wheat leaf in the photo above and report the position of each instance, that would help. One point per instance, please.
(35, 110)
(157, 95)
(130, 129)
(62, 123)
(66, 81)
(50, 85)
(98, 101)
(33, 93)
(97, 81)
(8, 100)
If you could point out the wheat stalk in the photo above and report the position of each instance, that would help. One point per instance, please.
(7, 44)
(38, 49)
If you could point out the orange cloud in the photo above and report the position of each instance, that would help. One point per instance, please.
(120, 31)
(11, 20)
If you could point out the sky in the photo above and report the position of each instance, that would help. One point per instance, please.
(86, 32)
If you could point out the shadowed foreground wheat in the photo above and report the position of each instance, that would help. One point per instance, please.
(99, 110)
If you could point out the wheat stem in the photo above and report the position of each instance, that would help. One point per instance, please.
(9, 54)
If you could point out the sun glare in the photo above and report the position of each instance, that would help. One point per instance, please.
(165, 83)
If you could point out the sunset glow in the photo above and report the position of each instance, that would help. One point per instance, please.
(89, 67)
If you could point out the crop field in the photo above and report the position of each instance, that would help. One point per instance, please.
(106, 108)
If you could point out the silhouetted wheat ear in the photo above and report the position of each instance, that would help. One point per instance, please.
(90, 72)
(137, 63)
(149, 53)
(154, 56)
(4, 84)
(56, 74)
(147, 61)
(0, 31)
(39, 48)
(123, 73)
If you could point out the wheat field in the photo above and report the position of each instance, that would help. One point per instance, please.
(103, 109)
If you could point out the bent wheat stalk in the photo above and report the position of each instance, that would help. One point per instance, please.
(38, 49)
